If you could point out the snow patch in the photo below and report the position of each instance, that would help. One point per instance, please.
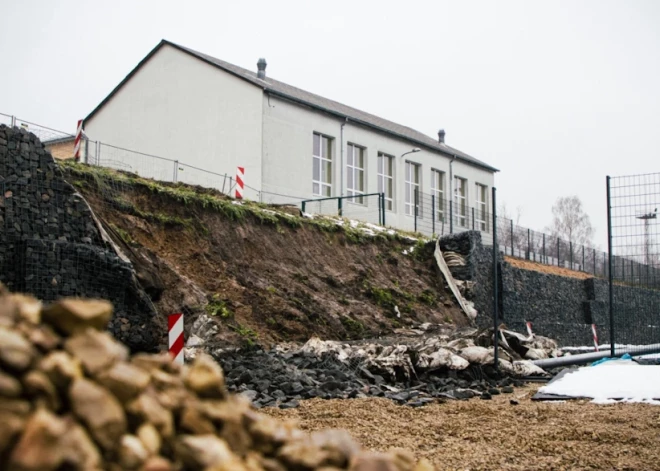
(623, 381)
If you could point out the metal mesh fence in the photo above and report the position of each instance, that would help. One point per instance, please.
(634, 239)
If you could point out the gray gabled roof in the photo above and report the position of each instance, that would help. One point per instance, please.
(283, 90)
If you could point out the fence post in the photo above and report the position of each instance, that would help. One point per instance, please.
(339, 208)
(583, 267)
(495, 285)
(545, 259)
(451, 217)
(529, 246)
(13, 121)
(570, 257)
(557, 251)
(512, 237)
(611, 280)
(383, 203)
(433, 213)
(380, 215)
(473, 218)
(176, 171)
(416, 203)
(302, 206)
(594, 262)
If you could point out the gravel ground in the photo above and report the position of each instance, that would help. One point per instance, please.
(495, 435)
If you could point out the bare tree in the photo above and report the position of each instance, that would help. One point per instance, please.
(570, 222)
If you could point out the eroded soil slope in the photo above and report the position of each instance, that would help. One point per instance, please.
(265, 276)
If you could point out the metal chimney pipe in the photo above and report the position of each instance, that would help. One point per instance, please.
(261, 68)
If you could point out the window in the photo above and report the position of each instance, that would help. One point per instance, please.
(355, 172)
(386, 179)
(322, 166)
(460, 200)
(438, 191)
(412, 187)
(481, 218)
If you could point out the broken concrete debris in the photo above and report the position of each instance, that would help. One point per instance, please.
(71, 397)
(414, 369)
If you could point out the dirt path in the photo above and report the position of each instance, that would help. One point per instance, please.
(494, 435)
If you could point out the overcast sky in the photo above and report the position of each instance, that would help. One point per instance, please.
(555, 94)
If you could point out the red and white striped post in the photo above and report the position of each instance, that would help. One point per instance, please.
(240, 174)
(593, 330)
(529, 328)
(175, 335)
(76, 142)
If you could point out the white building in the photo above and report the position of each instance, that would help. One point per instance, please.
(205, 113)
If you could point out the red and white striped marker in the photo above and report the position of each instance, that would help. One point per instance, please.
(529, 328)
(240, 174)
(175, 334)
(593, 329)
(76, 142)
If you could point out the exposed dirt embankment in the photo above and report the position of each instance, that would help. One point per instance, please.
(263, 275)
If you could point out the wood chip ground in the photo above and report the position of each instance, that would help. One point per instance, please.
(495, 435)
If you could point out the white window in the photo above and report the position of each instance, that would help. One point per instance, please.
(412, 188)
(355, 173)
(438, 191)
(386, 179)
(322, 166)
(481, 216)
(460, 200)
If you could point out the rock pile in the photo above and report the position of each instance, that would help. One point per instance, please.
(272, 379)
(71, 398)
(416, 368)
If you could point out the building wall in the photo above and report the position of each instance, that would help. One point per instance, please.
(61, 150)
(181, 108)
(287, 160)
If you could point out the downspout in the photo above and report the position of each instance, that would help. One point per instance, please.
(451, 194)
(341, 144)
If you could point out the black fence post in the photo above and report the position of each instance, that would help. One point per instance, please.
(495, 286)
(557, 251)
(529, 246)
(594, 262)
(451, 217)
(339, 209)
(473, 218)
(512, 237)
(416, 204)
(433, 213)
(611, 279)
(545, 259)
(382, 199)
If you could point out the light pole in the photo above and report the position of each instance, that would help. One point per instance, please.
(646, 218)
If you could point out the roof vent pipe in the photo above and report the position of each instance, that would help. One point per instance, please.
(261, 68)
(441, 136)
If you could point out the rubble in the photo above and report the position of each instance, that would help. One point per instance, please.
(71, 397)
(416, 367)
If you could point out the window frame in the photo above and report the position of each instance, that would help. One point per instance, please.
(353, 170)
(461, 206)
(413, 180)
(439, 193)
(383, 178)
(323, 161)
(481, 217)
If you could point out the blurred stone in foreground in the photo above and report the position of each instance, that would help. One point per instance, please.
(72, 398)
